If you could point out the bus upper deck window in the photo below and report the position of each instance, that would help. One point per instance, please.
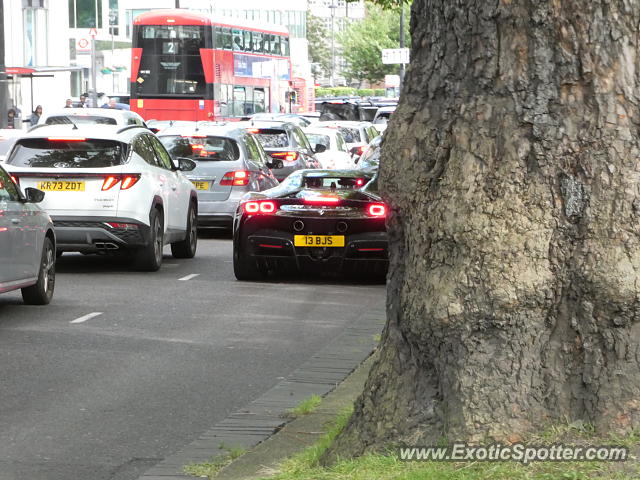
(238, 40)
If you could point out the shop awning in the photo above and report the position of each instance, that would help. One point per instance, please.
(33, 71)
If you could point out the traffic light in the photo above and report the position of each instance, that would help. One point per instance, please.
(292, 96)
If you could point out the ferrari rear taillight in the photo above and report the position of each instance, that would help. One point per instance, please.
(265, 206)
(286, 156)
(239, 178)
(127, 181)
(377, 210)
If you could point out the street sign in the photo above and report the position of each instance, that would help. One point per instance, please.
(93, 32)
(395, 55)
(83, 45)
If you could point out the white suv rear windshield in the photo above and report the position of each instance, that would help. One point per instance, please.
(77, 153)
(80, 120)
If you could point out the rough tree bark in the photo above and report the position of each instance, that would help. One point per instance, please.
(512, 167)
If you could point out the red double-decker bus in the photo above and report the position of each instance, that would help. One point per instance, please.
(189, 66)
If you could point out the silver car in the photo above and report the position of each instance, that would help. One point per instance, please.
(27, 243)
(229, 163)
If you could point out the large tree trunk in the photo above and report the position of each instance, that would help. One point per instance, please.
(512, 167)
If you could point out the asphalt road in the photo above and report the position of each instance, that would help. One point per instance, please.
(125, 368)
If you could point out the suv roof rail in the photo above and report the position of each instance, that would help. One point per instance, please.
(129, 127)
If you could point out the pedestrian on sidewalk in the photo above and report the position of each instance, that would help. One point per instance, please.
(35, 116)
(11, 118)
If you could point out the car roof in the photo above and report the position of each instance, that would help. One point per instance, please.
(102, 112)
(319, 130)
(104, 132)
(318, 173)
(285, 125)
(10, 132)
(231, 130)
(346, 123)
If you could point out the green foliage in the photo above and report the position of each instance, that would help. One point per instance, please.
(306, 465)
(309, 458)
(211, 468)
(362, 43)
(387, 4)
(349, 92)
(306, 406)
(319, 54)
(335, 92)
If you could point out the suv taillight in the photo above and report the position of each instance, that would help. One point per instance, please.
(286, 156)
(239, 178)
(126, 181)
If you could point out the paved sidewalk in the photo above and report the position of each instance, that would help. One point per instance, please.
(299, 433)
(264, 416)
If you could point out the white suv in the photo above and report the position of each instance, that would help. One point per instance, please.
(110, 188)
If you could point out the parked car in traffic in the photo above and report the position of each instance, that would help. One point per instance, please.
(383, 115)
(356, 134)
(229, 163)
(294, 118)
(27, 243)
(286, 142)
(7, 138)
(110, 189)
(370, 159)
(336, 154)
(92, 116)
(316, 220)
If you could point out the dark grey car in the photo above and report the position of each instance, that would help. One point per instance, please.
(229, 163)
(287, 142)
(27, 243)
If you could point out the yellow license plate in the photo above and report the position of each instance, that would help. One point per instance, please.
(61, 186)
(318, 240)
(201, 185)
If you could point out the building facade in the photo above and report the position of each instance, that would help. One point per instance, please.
(336, 15)
(36, 55)
(48, 49)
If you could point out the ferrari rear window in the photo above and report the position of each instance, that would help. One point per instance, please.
(66, 153)
(332, 183)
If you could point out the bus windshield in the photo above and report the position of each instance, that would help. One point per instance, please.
(170, 63)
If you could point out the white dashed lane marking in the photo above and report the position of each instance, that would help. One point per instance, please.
(188, 277)
(86, 317)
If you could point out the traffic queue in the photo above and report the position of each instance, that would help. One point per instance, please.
(103, 181)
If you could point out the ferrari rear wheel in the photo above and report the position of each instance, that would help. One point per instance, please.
(244, 268)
